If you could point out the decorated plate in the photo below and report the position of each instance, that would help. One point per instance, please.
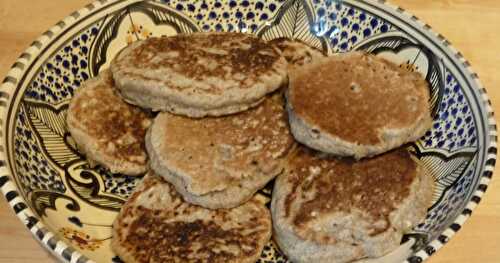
(69, 207)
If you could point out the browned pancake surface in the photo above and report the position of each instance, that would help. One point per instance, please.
(356, 96)
(156, 225)
(117, 127)
(329, 185)
(295, 52)
(220, 152)
(230, 56)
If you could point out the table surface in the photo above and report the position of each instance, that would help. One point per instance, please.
(471, 25)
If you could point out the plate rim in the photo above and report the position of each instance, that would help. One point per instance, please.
(64, 251)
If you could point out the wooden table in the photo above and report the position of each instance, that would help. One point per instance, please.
(471, 25)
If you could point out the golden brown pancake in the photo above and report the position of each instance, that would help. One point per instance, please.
(197, 75)
(296, 53)
(327, 209)
(221, 162)
(356, 104)
(157, 225)
(109, 131)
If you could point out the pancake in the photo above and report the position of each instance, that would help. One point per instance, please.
(221, 162)
(296, 53)
(326, 209)
(107, 130)
(356, 104)
(197, 75)
(156, 225)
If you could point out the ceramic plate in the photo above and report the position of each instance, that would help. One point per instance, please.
(70, 207)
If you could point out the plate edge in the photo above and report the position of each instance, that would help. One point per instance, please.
(67, 254)
(491, 148)
(60, 249)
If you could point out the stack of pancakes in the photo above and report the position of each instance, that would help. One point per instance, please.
(211, 118)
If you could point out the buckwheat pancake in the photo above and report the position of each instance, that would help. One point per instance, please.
(327, 209)
(357, 104)
(107, 130)
(157, 225)
(296, 53)
(197, 75)
(221, 162)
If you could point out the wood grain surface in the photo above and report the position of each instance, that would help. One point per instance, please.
(471, 26)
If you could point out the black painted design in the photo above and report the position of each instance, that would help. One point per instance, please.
(421, 240)
(43, 200)
(11, 195)
(31, 221)
(266, 193)
(90, 6)
(491, 162)
(26, 56)
(76, 15)
(397, 44)
(3, 179)
(492, 150)
(467, 212)
(294, 20)
(40, 234)
(446, 168)
(10, 79)
(52, 243)
(4, 95)
(82, 260)
(75, 220)
(118, 184)
(37, 44)
(415, 259)
(19, 207)
(35, 169)
(455, 227)
(160, 14)
(271, 253)
(95, 185)
(482, 187)
(430, 250)
(50, 124)
(49, 33)
(67, 252)
(88, 185)
(61, 24)
(18, 65)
